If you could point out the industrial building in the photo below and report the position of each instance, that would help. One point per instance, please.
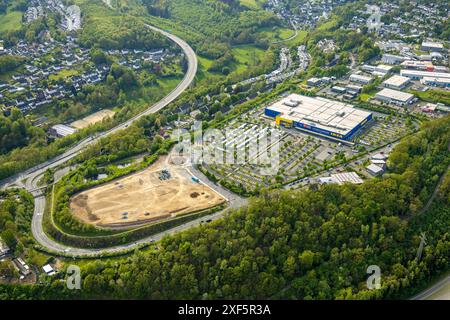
(394, 97)
(4, 249)
(432, 46)
(341, 178)
(314, 82)
(396, 82)
(61, 130)
(338, 89)
(380, 70)
(417, 75)
(418, 65)
(350, 88)
(375, 170)
(436, 82)
(48, 269)
(393, 59)
(360, 79)
(318, 115)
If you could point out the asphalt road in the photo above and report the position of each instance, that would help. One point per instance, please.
(440, 291)
(33, 173)
(29, 178)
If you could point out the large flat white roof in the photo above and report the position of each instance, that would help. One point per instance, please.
(347, 177)
(395, 95)
(63, 130)
(326, 114)
(431, 44)
(361, 77)
(397, 81)
(434, 79)
(422, 74)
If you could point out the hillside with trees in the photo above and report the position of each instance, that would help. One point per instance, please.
(311, 244)
(17, 131)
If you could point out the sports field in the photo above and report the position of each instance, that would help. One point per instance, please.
(146, 196)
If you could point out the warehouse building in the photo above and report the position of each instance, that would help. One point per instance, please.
(432, 46)
(61, 130)
(314, 82)
(418, 65)
(396, 82)
(4, 249)
(360, 79)
(393, 59)
(375, 170)
(380, 70)
(436, 82)
(395, 97)
(417, 75)
(338, 89)
(350, 88)
(318, 115)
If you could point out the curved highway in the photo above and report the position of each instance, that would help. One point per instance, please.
(190, 55)
(439, 291)
(41, 237)
(29, 178)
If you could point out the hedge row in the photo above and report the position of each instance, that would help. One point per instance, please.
(123, 237)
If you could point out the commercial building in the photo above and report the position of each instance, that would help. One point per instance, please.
(314, 82)
(417, 75)
(338, 89)
(4, 249)
(48, 270)
(360, 79)
(380, 70)
(61, 130)
(418, 65)
(393, 59)
(436, 82)
(350, 88)
(318, 115)
(394, 97)
(432, 46)
(21, 265)
(379, 163)
(396, 82)
(342, 178)
(375, 170)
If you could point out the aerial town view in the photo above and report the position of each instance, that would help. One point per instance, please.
(210, 150)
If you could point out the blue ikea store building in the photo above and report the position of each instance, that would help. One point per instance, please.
(301, 124)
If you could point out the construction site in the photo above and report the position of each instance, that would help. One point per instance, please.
(162, 191)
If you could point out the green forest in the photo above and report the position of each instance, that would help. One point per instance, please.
(311, 244)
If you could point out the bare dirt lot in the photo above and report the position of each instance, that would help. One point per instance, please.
(91, 119)
(143, 197)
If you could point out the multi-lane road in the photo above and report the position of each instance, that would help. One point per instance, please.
(31, 174)
(29, 178)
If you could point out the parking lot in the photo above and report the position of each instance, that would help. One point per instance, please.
(300, 155)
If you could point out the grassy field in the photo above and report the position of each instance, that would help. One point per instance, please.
(434, 96)
(254, 4)
(246, 55)
(63, 74)
(330, 24)
(298, 39)
(168, 84)
(10, 21)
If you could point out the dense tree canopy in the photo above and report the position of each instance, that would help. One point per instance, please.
(312, 244)
(16, 131)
